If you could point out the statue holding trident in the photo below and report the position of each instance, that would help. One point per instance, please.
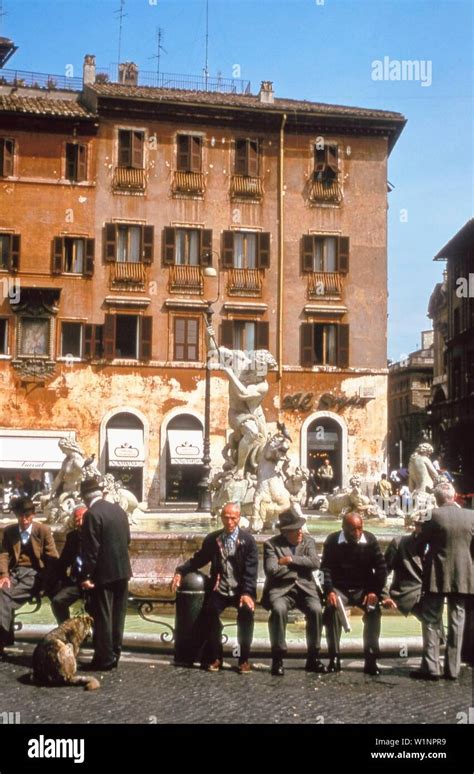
(248, 386)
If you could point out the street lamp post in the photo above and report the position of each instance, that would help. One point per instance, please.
(204, 497)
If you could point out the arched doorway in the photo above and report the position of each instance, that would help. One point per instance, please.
(125, 453)
(183, 458)
(324, 436)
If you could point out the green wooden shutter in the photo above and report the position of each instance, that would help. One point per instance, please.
(240, 165)
(227, 249)
(205, 249)
(252, 158)
(109, 336)
(263, 250)
(343, 254)
(124, 148)
(343, 346)
(307, 344)
(146, 338)
(169, 242)
(148, 233)
(57, 255)
(227, 334)
(183, 159)
(261, 335)
(137, 150)
(307, 253)
(89, 262)
(110, 242)
(81, 163)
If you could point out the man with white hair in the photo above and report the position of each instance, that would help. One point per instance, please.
(448, 572)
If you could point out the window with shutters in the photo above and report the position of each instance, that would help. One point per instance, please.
(186, 251)
(73, 255)
(130, 149)
(189, 153)
(325, 343)
(127, 336)
(129, 175)
(325, 183)
(72, 339)
(3, 336)
(246, 182)
(188, 178)
(325, 259)
(246, 335)
(7, 156)
(76, 162)
(128, 244)
(9, 252)
(186, 338)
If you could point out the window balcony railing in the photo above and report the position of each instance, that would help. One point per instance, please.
(186, 279)
(130, 180)
(127, 276)
(326, 192)
(324, 284)
(188, 183)
(244, 282)
(246, 187)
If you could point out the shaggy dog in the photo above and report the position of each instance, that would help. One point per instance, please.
(54, 658)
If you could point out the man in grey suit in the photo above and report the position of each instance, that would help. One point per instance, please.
(448, 571)
(289, 562)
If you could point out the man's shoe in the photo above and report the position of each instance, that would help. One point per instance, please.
(277, 667)
(313, 664)
(334, 664)
(215, 666)
(98, 666)
(244, 668)
(417, 674)
(371, 667)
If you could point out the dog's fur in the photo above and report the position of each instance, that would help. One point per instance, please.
(54, 658)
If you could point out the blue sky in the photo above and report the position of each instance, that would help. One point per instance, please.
(319, 50)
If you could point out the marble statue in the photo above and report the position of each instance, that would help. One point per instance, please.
(422, 474)
(257, 472)
(351, 499)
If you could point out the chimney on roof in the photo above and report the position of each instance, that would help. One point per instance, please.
(128, 74)
(88, 69)
(266, 93)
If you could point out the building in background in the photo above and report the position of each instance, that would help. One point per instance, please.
(409, 396)
(452, 404)
(115, 197)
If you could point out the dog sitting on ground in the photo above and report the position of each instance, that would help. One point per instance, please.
(54, 658)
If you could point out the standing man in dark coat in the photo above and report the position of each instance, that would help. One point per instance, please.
(105, 572)
(233, 555)
(27, 557)
(355, 572)
(289, 561)
(448, 571)
(68, 570)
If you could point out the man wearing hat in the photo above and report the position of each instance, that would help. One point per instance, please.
(289, 562)
(26, 558)
(105, 572)
(68, 570)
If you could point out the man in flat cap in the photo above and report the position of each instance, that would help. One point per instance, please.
(27, 555)
(105, 572)
(289, 562)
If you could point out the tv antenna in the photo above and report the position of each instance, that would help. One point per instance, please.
(121, 15)
(159, 49)
(206, 67)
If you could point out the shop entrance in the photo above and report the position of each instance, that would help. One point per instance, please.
(183, 458)
(324, 441)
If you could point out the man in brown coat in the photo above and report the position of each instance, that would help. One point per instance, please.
(27, 552)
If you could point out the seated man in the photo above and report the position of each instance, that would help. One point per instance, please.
(289, 561)
(233, 555)
(68, 570)
(355, 572)
(28, 552)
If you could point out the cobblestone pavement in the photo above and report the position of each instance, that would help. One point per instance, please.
(149, 689)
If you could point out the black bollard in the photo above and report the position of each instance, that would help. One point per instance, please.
(188, 629)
